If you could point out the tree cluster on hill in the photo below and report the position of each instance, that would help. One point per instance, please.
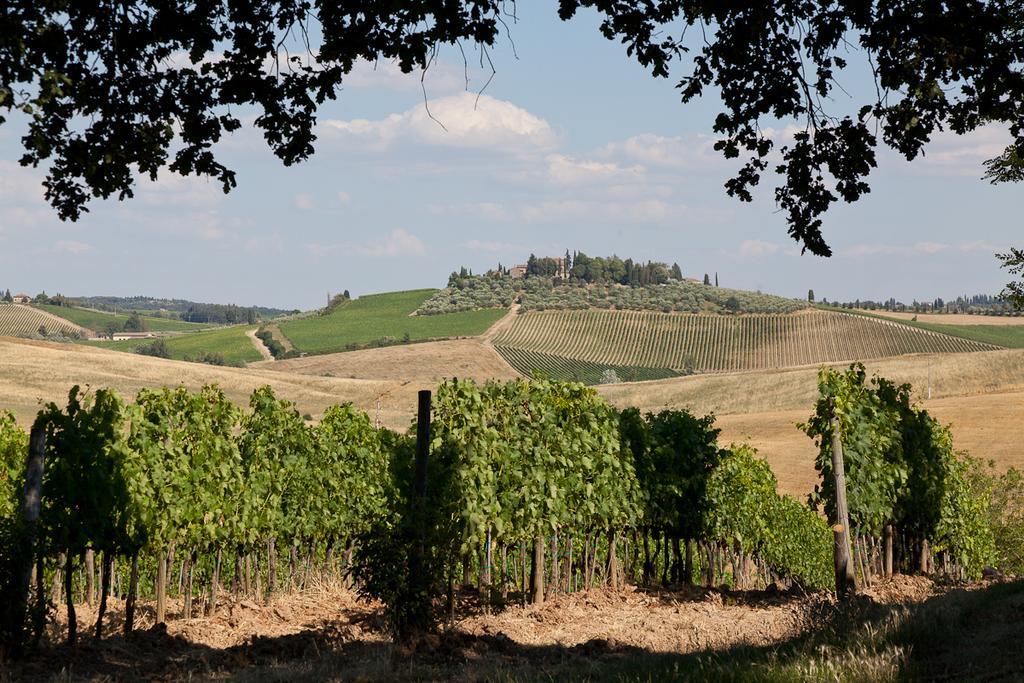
(335, 301)
(624, 272)
(8, 297)
(471, 293)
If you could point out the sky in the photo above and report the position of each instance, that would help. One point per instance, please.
(571, 146)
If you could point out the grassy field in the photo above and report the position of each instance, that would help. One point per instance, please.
(558, 367)
(230, 342)
(18, 319)
(712, 343)
(97, 320)
(376, 316)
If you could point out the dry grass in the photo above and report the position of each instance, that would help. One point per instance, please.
(772, 390)
(985, 426)
(31, 372)
(425, 363)
(952, 318)
(981, 394)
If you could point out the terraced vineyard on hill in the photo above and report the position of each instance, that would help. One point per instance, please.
(711, 343)
(17, 320)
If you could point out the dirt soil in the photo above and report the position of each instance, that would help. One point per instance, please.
(328, 634)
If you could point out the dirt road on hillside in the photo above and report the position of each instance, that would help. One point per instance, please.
(258, 343)
(501, 325)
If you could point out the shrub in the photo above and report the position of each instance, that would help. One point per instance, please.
(157, 348)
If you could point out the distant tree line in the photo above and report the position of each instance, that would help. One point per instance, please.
(221, 314)
(983, 304)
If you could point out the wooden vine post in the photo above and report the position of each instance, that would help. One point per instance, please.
(30, 509)
(418, 501)
(845, 576)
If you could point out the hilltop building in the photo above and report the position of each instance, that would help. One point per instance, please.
(21, 299)
(519, 271)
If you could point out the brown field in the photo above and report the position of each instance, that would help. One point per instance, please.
(34, 371)
(985, 426)
(428, 362)
(980, 394)
(952, 318)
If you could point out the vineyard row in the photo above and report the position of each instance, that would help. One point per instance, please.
(712, 343)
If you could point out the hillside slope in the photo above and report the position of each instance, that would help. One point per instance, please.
(98, 320)
(34, 371)
(17, 319)
(377, 319)
(232, 344)
(712, 343)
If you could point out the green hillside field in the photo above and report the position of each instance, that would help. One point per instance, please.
(97, 320)
(376, 317)
(231, 342)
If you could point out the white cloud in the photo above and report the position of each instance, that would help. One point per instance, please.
(695, 152)
(19, 185)
(396, 243)
(757, 248)
(174, 190)
(440, 77)
(272, 243)
(916, 249)
(73, 246)
(460, 120)
(639, 211)
(493, 247)
(565, 170)
(963, 155)
(488, 211)
(303, 201)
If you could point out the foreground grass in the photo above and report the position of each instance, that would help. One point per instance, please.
(98, 320)
(373, 317)
(230, 342)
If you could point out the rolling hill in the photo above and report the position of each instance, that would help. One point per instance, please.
(381, 319)
(17, 320)
(98, 320)
(710, 343)
(231, 343)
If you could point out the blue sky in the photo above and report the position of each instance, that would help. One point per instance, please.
(571, 146)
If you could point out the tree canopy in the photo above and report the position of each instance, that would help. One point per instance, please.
(112, 93)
